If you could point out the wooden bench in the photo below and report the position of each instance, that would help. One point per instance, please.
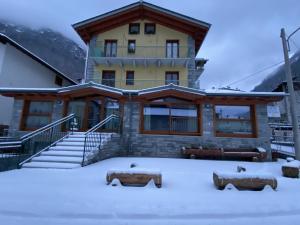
(244, 181)
(258, 154)
(135, 177)
(291, 169)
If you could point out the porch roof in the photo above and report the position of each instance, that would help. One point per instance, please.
(170, 89)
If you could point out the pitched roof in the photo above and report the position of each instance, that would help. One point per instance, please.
(143, 10)
(5, 39)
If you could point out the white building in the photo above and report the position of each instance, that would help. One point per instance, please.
(20, 68)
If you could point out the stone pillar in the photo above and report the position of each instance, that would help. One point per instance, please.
(131, 124)
(57, 112)
(207, 120)
(191, 64)
(16, 117)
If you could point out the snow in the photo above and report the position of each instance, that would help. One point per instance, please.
(188, 196)
(294, 164)
(243, 175)
(134, 170)
(260, 149)
(283, 149)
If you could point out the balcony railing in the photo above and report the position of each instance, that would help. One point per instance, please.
(156, 52)
(139, 84)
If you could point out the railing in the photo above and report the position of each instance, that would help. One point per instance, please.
(142, 51)
(34, 143)
(137, 84)
(94, 140)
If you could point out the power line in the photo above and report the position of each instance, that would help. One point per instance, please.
(255, 73)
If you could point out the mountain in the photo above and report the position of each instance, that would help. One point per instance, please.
(51, 46)
(276, 77)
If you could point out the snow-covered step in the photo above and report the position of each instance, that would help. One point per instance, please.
(60, 159)
(67, 148)
(51, 165)
(62, 153)
(74, 139)
(70, 143)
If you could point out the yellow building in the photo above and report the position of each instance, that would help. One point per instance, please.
(141, 46)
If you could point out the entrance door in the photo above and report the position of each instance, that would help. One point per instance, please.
(78, 108)
(94, 112)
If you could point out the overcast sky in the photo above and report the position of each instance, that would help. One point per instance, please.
(244, 37)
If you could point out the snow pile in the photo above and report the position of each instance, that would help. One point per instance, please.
(244, 175)
(293, 164)
(134, 170)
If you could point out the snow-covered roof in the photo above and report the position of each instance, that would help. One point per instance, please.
(200, 93)
(6, 39)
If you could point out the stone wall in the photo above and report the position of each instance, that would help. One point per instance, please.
(170, 145)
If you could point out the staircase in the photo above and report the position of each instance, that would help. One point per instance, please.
(66, 154)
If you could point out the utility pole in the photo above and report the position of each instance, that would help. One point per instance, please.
(291, 96)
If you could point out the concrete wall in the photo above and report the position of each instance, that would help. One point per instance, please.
(19, 70)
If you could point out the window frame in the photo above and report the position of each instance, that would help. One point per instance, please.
(252, 121)
(149, 24)
(26, 113)
(111, 49)
(170, 105)
(178, 48)
(134, 24)
(108, 80)
(131, 51)
(172, 73)
(129, 82)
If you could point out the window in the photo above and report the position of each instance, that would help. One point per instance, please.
(134, 28)
(150, 28)
(110, 48)
(172, 49)
(108, 78)
(129, 77)
(234, 121)
(172, 77)
(131, 46)
(58, 81)
(170, 117)
(36, 114)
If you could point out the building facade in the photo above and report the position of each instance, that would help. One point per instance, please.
(142, 66)
(21, 68)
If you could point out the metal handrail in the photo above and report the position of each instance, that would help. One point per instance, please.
(101, 123)
(90, 136)
(40, 130)
(42, 139)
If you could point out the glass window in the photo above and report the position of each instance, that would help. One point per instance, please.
(134, 28)
(37, 114)
(234, 120)
(172, 77)
(109, 78)
(129, 77)
(149, 28)
(170, 118)
(131, 46)
(172, 49)
(110, 48)
(156, 118)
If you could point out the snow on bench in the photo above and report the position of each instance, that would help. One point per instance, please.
(255, 154)
(244, 181)
(135, 176)
(291, 169)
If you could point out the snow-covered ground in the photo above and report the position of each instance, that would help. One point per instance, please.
(188, 196)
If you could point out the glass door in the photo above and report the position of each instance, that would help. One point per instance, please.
(78, 108)
(94, 112)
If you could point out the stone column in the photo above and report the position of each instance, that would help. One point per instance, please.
(16, 117)
(92, 73)
(57, 112)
